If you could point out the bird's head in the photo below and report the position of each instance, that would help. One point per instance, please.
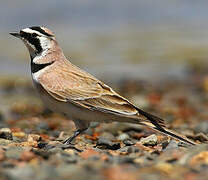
(37, 39)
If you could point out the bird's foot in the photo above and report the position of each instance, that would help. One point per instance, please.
(69, 140)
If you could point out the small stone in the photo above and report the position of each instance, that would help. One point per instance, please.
(5, 142)
(201, 137)
(18, 134)
(123, 137)
(123, 149)
(150, 140)
(70, 159)
(128, 142)
(29, 143)
(43, 126)
(69, 151)
(6, 133)
(89, 153)
(164, 144)
(33, 137)
(133, 149)
(89, 131)
(94, 125)
(107, 135)
(107, 144)
(202, 157)
(126, 159)
(166, 168)
(14, 152)
(129, 149)
(27, 156)
(138, 160)
(41, 153)
(42, 145)
(20, 173)
(202, 127)
(2, 154)
(173, 144)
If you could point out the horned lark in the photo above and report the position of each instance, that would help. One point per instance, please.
(67, 89)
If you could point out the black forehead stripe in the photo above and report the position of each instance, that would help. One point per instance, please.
(37, 67)
(39, 29)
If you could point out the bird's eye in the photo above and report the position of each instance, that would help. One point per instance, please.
(21, 33)
(34, 35)
(24, 34)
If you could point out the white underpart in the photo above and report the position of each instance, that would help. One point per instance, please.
(36, 75)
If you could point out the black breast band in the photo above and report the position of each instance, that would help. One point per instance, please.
(37, 67)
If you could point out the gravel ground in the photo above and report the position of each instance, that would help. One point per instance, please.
(31, 137)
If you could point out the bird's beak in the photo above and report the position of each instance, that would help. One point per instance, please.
(15, 34)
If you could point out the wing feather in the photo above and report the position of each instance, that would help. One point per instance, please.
(67, 82)
(72, 84)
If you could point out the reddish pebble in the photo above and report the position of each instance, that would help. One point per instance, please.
(88, 153)
(27, 156)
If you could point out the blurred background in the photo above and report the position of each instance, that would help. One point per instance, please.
(115, 40)
(109, 34)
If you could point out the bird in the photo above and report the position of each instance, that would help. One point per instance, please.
(69, 90)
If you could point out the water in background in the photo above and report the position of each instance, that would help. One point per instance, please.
(111, 38)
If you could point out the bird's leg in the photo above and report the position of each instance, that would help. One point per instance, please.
(76, 133)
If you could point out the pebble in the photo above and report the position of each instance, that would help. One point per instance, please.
(89, 131)
(129, 149)
(201, 137)
(202, 127)
(94, 125)
(5, 142)
(6, 133)
(71, 159)
(2, 154)
(27, 156)
(18, 134)
(149, 141)
(128, 142)
(173, 144)
(69, 151)
(43, 154)
(123, 137)
(43, 126)
(33, 137)
(107, 135)
(133, 149)
(21, 173)
(165, 168)
(14, 152)
(42, 145)
(121, 160)
(107, 144)
(126, 159)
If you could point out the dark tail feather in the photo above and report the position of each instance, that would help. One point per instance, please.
(169, 133)
(158, 124)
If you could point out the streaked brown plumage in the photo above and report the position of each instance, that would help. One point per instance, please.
(67, 89)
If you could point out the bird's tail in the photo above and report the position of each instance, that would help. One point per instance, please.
(169, 133)
(158, 124)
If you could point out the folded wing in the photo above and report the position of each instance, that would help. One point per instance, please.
(74, 85)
